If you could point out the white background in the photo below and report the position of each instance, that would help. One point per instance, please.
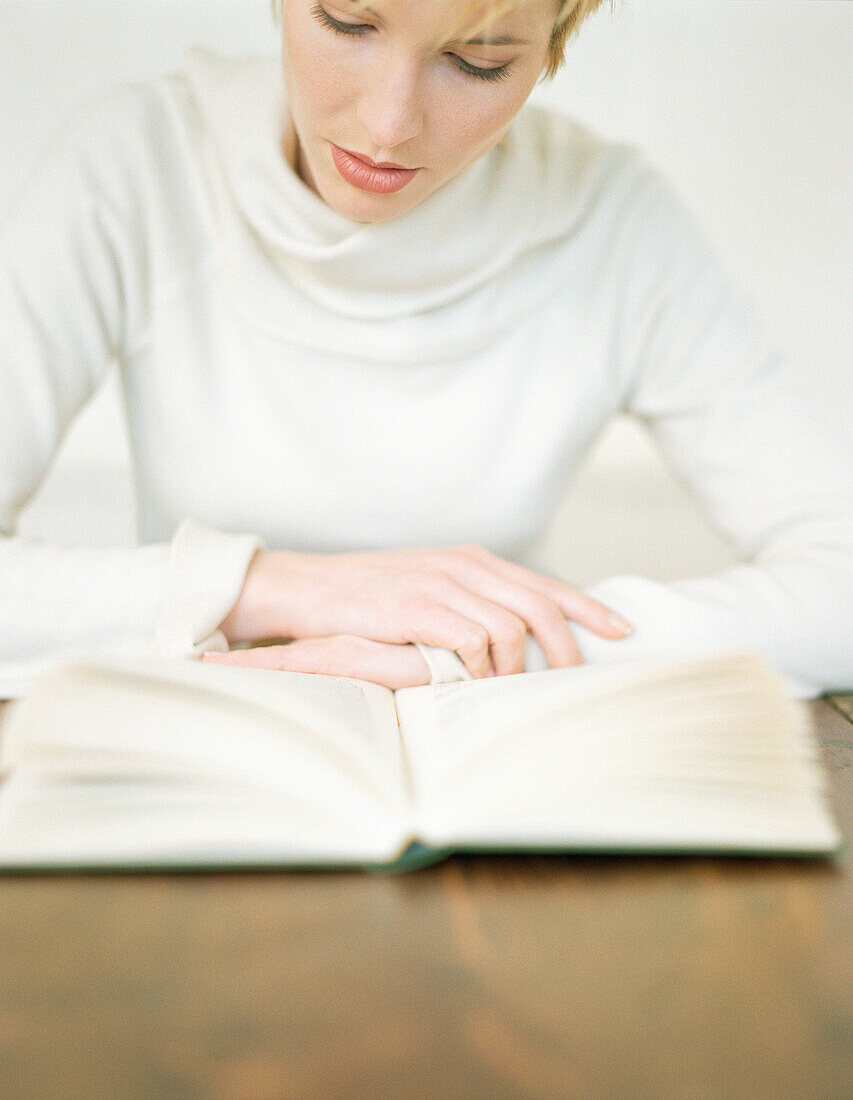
(745, 104)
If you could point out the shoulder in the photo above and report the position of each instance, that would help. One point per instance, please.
(148, 128)
(556, 142)
(115, 123)
(239, 79)
(144, 144)
(111, 148)
(565, 161)
(583, 180)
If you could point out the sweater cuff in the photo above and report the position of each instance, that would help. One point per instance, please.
(205, 573)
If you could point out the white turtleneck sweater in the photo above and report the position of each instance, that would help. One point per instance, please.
(293, 378)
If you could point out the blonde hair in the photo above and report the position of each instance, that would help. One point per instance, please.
(571, 13)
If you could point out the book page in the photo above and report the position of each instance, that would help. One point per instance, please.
(448, 728)
(328, 742)
(703, 753)
(51, 821)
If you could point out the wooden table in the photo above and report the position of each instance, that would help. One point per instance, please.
(492, 977)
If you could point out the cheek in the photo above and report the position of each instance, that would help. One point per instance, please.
(476, 129)
(313, 73)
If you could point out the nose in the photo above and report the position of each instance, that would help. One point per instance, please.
(391, 109)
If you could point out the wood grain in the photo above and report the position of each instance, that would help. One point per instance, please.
(843, 704)
(517, 977)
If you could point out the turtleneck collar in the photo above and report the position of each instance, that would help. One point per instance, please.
(462, 235)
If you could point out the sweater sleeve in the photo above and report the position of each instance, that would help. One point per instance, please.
(743, 431)
(72, 256)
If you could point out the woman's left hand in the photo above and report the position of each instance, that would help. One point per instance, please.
(390, 664)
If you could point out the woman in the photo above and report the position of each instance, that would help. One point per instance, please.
(354, 393)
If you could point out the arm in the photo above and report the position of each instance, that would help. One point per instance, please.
(734, 421)
(743, 431)
(78, 268)
(72, 294)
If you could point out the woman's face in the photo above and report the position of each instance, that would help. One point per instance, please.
(391, 88)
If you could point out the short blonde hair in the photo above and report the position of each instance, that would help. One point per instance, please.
(570, 15)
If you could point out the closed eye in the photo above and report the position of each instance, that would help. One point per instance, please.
(359, 29)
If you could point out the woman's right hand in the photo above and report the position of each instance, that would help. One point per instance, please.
(462, 598)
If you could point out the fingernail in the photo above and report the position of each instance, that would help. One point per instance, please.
(211, 653)
(491, 672)
(618, 623)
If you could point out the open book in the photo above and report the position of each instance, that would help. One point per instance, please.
(176, 764)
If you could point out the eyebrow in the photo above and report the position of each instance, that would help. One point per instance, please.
(498, 40)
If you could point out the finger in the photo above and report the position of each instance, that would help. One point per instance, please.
(576, 605)
(445, 627)
(516, 608)
(592, 614)
(507, 632)
(384, 663)
(548, 624)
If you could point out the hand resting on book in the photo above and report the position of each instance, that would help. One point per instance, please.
(385, 663)
(463, 599)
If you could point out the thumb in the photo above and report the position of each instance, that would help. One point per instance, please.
(388, 664)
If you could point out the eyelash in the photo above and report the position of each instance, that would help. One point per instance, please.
(322, 16)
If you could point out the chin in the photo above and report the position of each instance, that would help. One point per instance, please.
(361, 206)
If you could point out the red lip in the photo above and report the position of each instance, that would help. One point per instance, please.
(375, 163)
(373, 178)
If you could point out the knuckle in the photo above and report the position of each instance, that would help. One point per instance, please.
(419, 600)
(473, 638)
(419, 586)
(509, 632)
(583, 604)
(449, 558)
(430, 582)
(422, 620)
(471, 550)
(542, 610)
